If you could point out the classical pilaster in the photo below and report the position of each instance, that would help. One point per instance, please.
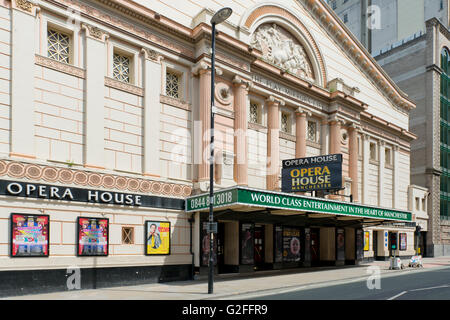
(94, 146)
(152, 110)
(381, 164)
(325, 136)
(23, 22)
(273, 143)
(205, 119)
(300, 142)
(353, 160)
(395, 178)
(365, 169)
(335, 135)
(240, 131)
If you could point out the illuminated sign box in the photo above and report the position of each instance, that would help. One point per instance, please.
(311, 174)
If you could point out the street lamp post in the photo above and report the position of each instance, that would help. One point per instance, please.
(219, 17)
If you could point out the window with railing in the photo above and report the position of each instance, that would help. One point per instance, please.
(173, 85)
(121, 68)
(285, 122)
(58, 46)
(255, 112)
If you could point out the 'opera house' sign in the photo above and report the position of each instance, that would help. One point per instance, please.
(52, 192)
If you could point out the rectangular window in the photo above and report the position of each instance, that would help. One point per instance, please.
(387, 157)
(173, 84)
(127, 235)
(312, 131)
(58, 46)
(285, 122)
(417, 204)
(121, 68)
(424, 207)
(373, 151)
(255, 112)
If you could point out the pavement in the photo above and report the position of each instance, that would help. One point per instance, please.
(244, 286)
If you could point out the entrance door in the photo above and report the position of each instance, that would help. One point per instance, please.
(315, 246)
(259, 246)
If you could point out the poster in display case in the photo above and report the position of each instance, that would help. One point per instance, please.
(291, 244)
(403, 243)
(157, 235)
(340, 244)
(29, 235)
(93, 236)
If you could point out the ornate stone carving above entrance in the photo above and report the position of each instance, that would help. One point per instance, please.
(282, 49)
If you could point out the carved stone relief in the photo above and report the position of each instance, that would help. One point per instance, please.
(282, 49)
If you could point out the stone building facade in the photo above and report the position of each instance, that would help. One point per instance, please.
(422, 76)
(114, 97)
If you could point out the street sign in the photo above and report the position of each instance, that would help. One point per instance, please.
(212, 227)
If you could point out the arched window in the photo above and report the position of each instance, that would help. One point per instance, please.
(445, 134)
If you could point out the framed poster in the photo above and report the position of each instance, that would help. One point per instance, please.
(93, 236)
(291, 244)
(247, 246)
(157, 237)
(278, 248)
(30, 235)
(340, 244)
(205, 244)
(403, 243)
(366, 240)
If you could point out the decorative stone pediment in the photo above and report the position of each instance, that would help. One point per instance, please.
(282, 49)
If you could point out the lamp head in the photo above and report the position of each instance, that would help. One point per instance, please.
(221, 15)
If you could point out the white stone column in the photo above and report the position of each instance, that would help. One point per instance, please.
(273, 143)
(353, 160)
(94, 147)
(365, 169)
(23, 42)
(152, 110)
(395, 178)
(240, 130)
(381, 164)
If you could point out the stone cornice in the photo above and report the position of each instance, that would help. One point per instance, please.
(119, 85)
(405, 134)
(174, 102)
(59, 66)
(69, 176)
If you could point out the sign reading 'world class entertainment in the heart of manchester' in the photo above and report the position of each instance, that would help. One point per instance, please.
(313, 173)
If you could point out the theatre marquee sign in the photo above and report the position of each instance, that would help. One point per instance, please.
(248, 197)
(312, 173)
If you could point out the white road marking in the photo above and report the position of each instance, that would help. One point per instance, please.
(431, 288)
(398, 295)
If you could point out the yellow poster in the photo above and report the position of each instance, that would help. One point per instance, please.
(157, 237)
(366, 240)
